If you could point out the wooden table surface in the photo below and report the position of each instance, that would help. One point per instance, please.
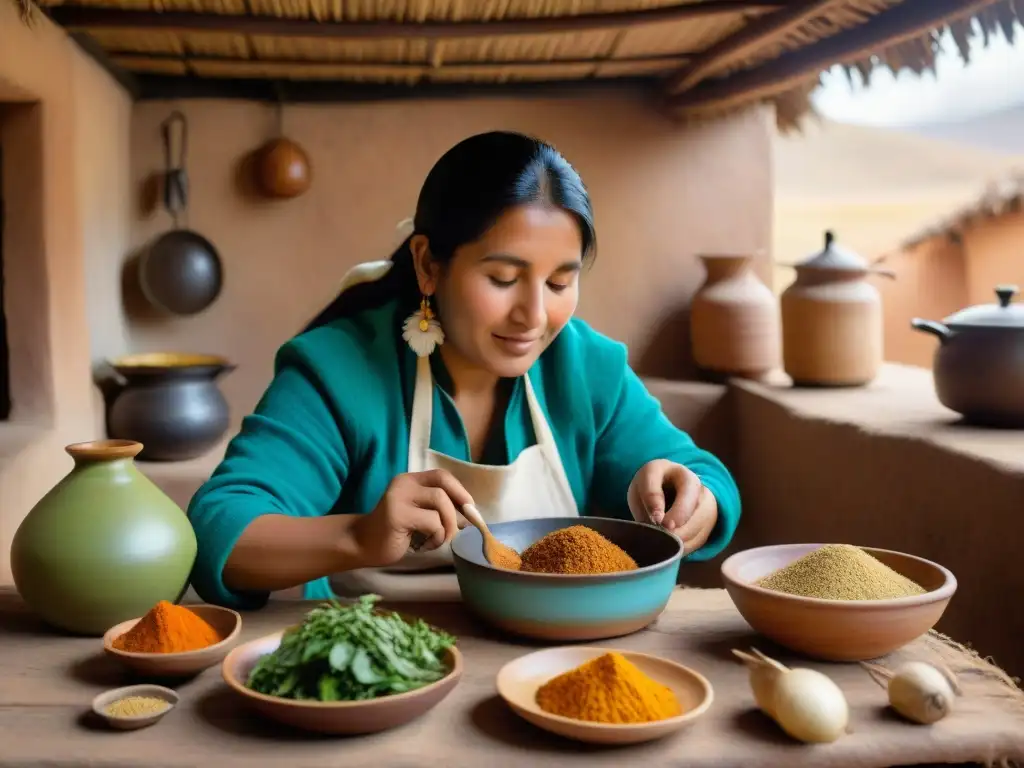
(47, 682)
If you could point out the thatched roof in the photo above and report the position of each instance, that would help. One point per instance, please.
(702, 57)
(999, 198)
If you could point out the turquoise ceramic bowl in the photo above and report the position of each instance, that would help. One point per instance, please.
(569, 607)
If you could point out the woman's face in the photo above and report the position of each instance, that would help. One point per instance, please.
(503, 298)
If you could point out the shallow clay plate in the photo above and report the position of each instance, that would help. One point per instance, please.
(335, 717)
(227, 622)
(519, 680)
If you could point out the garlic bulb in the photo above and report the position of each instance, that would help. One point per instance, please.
(918, 691)
(805, 703)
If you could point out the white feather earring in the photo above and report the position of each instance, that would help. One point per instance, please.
(422, 331)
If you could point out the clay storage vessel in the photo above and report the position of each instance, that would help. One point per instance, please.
(734, 320)
(104, 545)
(832, 320)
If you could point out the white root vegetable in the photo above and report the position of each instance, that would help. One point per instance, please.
(763, 675)
(805, 703)
(918, 691)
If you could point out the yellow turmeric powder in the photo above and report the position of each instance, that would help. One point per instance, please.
(167, 628)
(608, 689)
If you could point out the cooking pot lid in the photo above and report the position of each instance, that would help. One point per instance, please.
(1004, 314)
(834, 257)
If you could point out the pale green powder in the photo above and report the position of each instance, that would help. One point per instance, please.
(840, 572)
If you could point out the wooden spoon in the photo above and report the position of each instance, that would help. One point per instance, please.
(497, 554)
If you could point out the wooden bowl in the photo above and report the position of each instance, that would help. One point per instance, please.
(105, 699)
(335, 717)
(836, 630)
(519, 680)
(227, 622)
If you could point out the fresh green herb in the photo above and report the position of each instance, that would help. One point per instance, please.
(352, 653)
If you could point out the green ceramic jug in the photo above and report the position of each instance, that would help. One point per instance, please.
(104, 545)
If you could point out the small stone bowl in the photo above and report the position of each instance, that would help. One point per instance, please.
(105, 699)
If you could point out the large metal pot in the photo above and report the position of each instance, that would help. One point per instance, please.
(170, 403)
(979, 364)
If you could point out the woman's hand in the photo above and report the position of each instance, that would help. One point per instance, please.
(694, 510)
(423, 502)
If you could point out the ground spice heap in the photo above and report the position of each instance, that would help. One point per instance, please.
(167, 628)
(576, 549)
(134, 706)
(840, 572)
(608, 689)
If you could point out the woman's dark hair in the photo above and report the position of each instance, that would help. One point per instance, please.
(464, 194)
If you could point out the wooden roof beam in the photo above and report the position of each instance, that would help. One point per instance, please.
(746, 41)
(129, 60)
(335, 91)
(102, 17)
(903, 22)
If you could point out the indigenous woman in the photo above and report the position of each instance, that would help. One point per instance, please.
(452, 372)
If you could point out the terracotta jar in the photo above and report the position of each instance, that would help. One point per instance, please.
(104, 545)
(734, 320)
(832, 320)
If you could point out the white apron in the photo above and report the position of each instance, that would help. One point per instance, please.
(534, 485)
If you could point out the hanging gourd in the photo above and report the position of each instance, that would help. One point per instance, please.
(283, 169)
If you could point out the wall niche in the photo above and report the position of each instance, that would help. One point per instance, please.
(26, 383)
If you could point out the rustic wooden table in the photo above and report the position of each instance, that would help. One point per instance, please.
(47, 682)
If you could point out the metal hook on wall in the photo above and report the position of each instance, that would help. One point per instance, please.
(176, 176)
(279, 100)
(175, 118)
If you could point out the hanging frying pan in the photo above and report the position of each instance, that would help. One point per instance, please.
(180, 273)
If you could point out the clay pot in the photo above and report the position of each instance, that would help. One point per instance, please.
(832, 320)
(979, 364)
(283, 169)
(104, 545)
(734, 320)
(170, 403)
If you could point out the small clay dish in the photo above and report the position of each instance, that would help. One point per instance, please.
(519, 680)
(227, 622)
(104, 700)
(836, 630)
(334, 717)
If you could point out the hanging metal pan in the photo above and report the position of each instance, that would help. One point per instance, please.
(180, 273)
